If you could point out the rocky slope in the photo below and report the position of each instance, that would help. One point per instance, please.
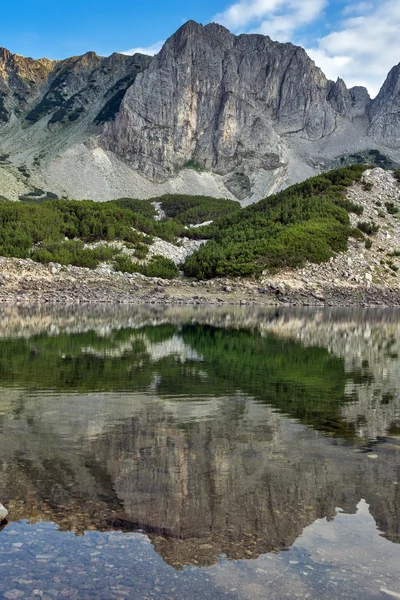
(212, 113)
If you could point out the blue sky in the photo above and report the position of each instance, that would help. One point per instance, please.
(358, 40)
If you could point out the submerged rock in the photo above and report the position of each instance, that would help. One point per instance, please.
(389, 594)
(3, 513)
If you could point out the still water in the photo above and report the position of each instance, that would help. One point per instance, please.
(181, 454)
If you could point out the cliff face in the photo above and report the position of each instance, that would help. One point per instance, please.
(222, 102)
(247, 114)
(385, 111)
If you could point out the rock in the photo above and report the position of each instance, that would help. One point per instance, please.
(389, 594)
(385, 111)
(3, 512)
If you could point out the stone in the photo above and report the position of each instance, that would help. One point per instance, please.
(389, 594)
(3, 512)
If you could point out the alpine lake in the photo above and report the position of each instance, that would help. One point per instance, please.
(199, 453)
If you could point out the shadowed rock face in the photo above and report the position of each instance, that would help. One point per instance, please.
(64, 91)
(204, 458)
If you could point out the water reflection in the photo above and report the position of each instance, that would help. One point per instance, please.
(218, 434)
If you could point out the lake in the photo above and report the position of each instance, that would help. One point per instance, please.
(182, 453)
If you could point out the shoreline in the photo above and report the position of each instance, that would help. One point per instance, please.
(23, 281)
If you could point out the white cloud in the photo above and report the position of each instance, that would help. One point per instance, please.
(149, 50)
(277, 18)
(362, 49)
(358, 8)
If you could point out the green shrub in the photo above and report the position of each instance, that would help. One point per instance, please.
(73, 252)
(396, 173)
(190, 210)
(125, 264)
(391, 208)
(357, 234)
(141, 207)
(392, 266)
(368, 227)
(368, 244)
(350, 206)
(367, 186)
(158, 266)
(141, 251)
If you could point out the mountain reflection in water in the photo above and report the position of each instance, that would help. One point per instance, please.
(215, 432)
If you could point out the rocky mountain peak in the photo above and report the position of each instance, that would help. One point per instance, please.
(221, 102)
(212, 113)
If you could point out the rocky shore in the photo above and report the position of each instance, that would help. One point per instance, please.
(27, 282)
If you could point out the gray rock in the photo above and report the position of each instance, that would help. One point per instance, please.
(389, 594)
(385, 111)
(3, 512)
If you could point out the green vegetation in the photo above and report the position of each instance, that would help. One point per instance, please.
(368, 227)
(371, 157)
(368, 244)
(391, 208)
(190, 210)
(356, 234)
(192, 164)
(158, 266)
(38, 231)
(306, 222)
(73, 252)
(38, 196)
(142, 207)
(396, 173)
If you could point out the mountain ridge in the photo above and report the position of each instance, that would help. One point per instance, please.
(212, 113)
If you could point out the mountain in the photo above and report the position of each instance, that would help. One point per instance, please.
(212, 113)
